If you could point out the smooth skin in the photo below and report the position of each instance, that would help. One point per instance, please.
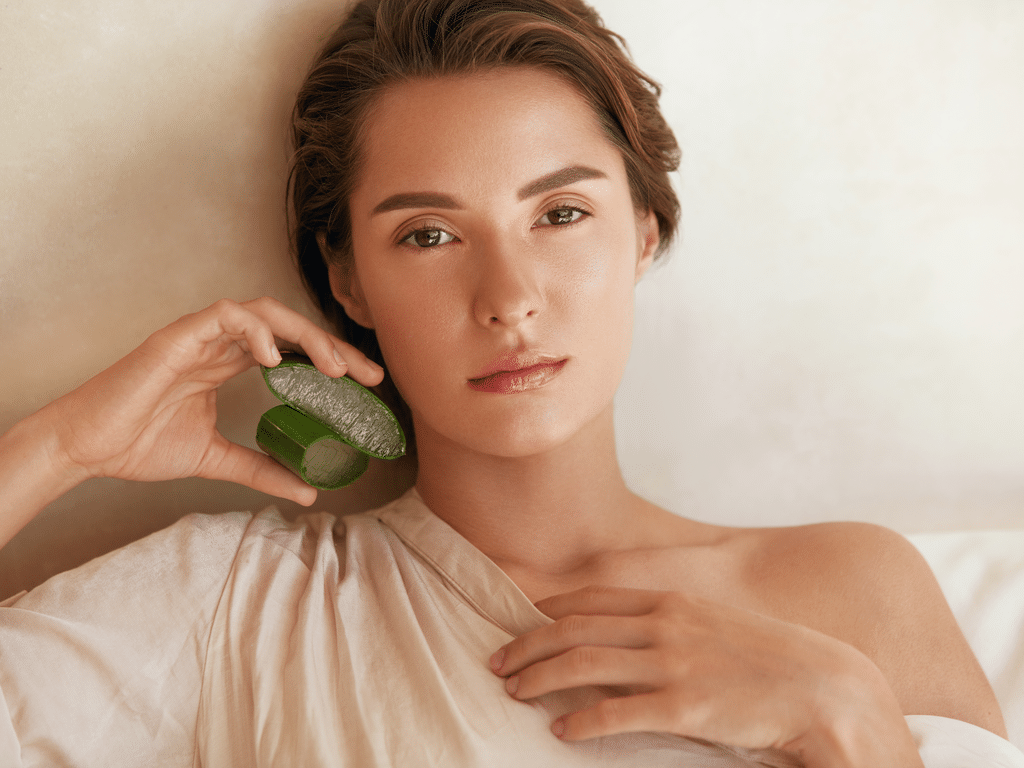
(814, 639)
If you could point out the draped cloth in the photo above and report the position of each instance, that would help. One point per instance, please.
(248, 640)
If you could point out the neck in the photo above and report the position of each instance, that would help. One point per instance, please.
(549, 513)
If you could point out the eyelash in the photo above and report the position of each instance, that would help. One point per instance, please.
(432, 226)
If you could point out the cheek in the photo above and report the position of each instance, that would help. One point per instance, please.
(598, 287)
(416, 328)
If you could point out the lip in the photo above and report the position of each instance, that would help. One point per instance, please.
(517, 361)
(514, 373)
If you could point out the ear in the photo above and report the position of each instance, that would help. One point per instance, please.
(647, 240)
(346, 288)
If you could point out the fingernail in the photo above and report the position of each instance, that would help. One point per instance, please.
(558, 727)
(376, 366)
(339, 359)
(275, 354)
(498, 659)
(512, 684)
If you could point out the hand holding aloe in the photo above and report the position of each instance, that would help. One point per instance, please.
(152, 415)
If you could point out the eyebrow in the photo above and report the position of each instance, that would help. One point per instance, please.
(560, 178)
(416, 200)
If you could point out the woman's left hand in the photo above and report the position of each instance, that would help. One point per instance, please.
(706, 670)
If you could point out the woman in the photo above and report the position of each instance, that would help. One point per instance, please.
(478, 187)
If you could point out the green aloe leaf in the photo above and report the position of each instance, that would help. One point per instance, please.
(309, 449)
(356, 414)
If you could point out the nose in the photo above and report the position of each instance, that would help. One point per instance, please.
(508, 289)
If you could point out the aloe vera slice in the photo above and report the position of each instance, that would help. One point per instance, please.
(309, 449)
(356, 414)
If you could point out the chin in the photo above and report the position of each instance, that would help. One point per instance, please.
(520, 446)
(522, 434)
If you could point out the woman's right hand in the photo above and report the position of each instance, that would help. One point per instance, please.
(152, 415)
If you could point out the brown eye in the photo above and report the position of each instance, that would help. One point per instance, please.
(561, 216)
(428, 238)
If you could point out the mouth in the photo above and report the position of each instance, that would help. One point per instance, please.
(521, 379)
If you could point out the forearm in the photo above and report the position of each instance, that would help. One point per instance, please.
(31, 475)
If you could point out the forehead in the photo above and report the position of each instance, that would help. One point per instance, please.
(499, 127)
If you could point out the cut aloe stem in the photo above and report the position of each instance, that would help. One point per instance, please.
(350, 409)
(309, 449)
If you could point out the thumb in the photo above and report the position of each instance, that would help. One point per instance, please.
(255, 470)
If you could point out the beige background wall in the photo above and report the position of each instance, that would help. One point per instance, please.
(838, 334)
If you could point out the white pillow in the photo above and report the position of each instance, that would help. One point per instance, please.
(982, 576)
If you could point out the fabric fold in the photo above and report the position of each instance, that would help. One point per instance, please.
(247, 641)
(466, 569)
(944, 742)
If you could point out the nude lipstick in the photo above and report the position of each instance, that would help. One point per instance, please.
(521, 379)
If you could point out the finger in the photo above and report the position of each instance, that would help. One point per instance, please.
(623, 714)
(224, 318)
(237, 464)
(564, 634)
(585, 665)
(253, 331)
(329, 354)
(698, 717)
(601, 599)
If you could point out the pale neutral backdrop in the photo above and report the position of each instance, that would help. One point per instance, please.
(839, 333)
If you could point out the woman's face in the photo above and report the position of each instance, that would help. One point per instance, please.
(494, 233)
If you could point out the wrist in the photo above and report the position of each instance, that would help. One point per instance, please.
(857, 722)
(43, 431)
(33, 472)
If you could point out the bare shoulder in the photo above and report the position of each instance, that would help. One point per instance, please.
(868, 586)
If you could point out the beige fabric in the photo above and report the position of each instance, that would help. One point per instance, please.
(240, 640)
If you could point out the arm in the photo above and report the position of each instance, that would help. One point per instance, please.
(103, 665)
(152, 415)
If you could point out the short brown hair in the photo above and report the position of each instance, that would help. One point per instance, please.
(385, 42)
